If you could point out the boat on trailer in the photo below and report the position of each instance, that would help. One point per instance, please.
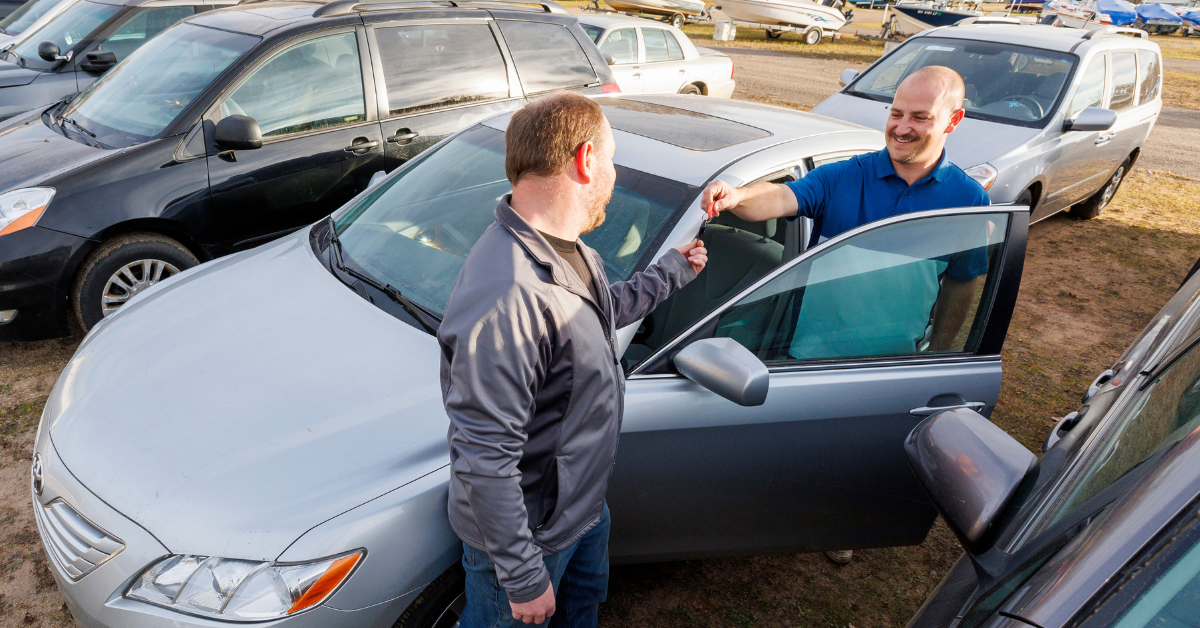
(1090, 14)
(825, 16)
(684, 9)
(914, 17)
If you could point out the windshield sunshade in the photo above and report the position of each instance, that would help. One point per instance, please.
(414, 233)
(678, 127)
(1004, 82)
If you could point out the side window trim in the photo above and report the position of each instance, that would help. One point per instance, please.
(213, 113)
(710, 318)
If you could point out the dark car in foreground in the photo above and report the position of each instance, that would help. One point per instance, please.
(240, 125)
(1104, 530)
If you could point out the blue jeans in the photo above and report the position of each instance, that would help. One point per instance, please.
(578, 573)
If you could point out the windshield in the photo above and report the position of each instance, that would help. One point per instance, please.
(1004, 83)
(139, 98)
(1162, 415)
(66, 29)
(27, 14)
(416, 230)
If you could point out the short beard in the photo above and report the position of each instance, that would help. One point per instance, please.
(595, 211)
(918, 149)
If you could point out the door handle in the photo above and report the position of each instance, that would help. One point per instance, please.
(682, 72)
(1103, 139)
(977, 406)
(359, 147)
(405, 137)
(638, 75)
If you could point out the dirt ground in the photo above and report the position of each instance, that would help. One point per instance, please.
(1088, 288)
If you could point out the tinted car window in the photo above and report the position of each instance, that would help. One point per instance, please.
(1091, 88)
(1163, 414)
(141, 27)
(139, 99)
(818, 309)
(66, 29)
(547, 56)
(310, 86)
(623, 45)
(416, 230)
(1149, 75)
(673, 49)
(438, 65)
(1004, 82)
(26, 15)
(656, 45)
(593, 31)
(1124, 75)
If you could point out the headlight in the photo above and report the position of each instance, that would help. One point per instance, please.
(982, 173)
(22, 208)
(241, 590)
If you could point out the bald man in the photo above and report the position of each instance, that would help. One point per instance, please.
(911, 174)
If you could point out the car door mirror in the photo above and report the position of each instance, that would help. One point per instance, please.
(971, 469)
(1091, 119)
(238, 133)
(726, 368)
(49, 51)
(847, 77)
(98, 61)
(609, 59)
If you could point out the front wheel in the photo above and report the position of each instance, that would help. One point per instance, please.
(1095, 205)
(677, 20)
(812, 36)
(120, 269)
(439, 605)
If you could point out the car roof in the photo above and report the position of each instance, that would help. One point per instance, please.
(721, 131)
(608, 22)
(1035, 36)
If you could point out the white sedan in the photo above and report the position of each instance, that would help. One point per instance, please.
(650, 57)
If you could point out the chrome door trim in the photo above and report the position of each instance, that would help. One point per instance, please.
(871, 226)
(848, 364)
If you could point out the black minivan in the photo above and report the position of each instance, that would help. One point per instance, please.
(242, 124)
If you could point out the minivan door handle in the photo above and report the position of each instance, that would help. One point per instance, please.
(1103, 139)
(977, 406)
(403, 136)
(361, 146)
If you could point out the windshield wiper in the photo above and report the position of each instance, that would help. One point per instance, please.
(421, 314)
(75, 124)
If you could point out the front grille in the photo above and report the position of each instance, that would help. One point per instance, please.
(75, 543)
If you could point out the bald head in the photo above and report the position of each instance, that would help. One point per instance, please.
(926, 108)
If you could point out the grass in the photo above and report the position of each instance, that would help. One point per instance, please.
(848, 48)
(1178, 47)
(1181, 89)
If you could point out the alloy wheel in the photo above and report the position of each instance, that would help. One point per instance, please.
(1113, 184)
(131, 279)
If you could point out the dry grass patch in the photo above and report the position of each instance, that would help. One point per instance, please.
(1178, 47)
(848, 48)
(1181, 89)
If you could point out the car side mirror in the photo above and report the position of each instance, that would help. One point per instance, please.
(238, 133)
(1091, 119)
(726, 368)
(609, 59)
(98, 61)
(49, 51)
(971, 469)
(847, 77)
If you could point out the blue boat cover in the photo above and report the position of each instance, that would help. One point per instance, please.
(1157, 11)
(1121, 12)
(1191, 17)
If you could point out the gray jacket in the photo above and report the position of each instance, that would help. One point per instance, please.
(533, 385)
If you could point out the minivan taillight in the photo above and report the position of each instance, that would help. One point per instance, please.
(611, 88)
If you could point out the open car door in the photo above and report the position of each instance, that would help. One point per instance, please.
(863, 336)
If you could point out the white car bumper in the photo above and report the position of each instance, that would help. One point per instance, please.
(721, 89)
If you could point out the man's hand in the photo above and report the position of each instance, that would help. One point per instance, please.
(538, 610)
(696, 255)
(718, 196)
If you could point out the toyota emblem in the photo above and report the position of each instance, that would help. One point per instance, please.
(36, 471)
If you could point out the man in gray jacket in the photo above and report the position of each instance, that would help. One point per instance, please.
(531, 376)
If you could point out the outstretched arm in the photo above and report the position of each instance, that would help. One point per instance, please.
(755, 202)
(634, 298)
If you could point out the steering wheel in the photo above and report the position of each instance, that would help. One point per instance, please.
(1032, 104)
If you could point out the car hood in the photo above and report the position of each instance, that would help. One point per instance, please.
(248, 400)
(32, 153)
(12, 74)
(972, 143)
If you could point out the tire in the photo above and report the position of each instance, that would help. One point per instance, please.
(692, 89)
(774, 34)
(812, 36)
(677, 20)
(1025, 198)
(121, 268)
(1095, 205)
(439, 605)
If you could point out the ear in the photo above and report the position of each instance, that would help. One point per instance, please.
(584, 158)
(955, 118)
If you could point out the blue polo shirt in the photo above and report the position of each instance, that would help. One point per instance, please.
(846, 194)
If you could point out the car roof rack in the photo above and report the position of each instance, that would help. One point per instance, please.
(346, 7)
(1115, 31)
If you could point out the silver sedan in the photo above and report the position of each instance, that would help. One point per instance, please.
(262, 438)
